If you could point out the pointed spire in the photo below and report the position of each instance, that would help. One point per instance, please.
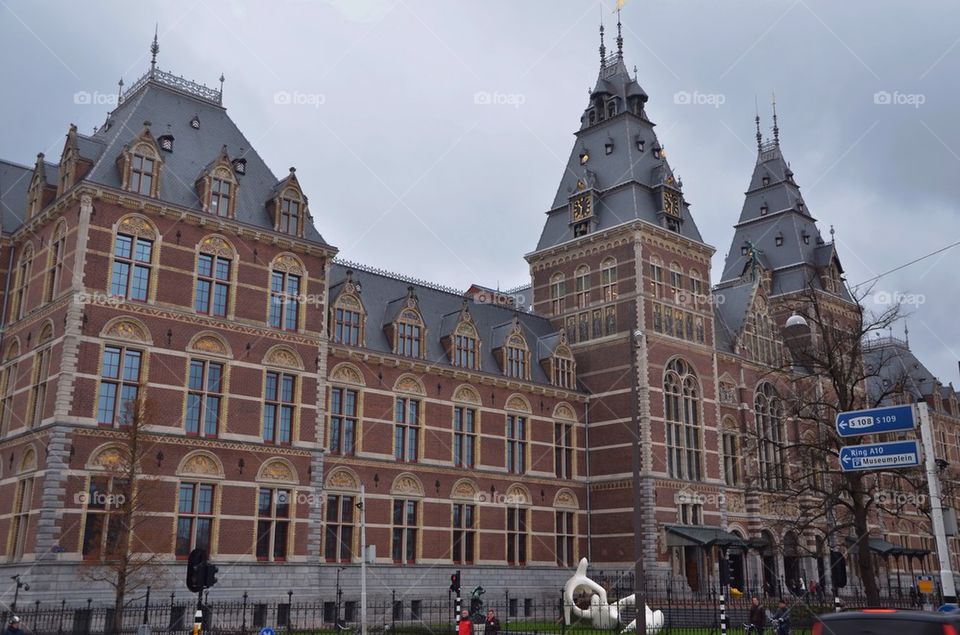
(906, 332)
(603, 48)
(222, 79)
(154, 49)
(756, 120)
(776, 129)
(619, 33)
(120, 91)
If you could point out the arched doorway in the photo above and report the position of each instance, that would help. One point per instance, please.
(792, 573)
(768, 560)
(821, 566)
(735, 555)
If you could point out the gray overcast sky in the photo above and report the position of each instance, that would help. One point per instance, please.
(405, 171)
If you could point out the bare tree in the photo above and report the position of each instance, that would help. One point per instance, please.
(827, 373)
(121, 496)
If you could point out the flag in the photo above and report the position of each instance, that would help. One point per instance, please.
(620, 4)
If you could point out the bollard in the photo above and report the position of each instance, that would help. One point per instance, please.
(198, 622)
(723, 615)
(836, 604)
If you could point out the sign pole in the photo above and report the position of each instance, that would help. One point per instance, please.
(936, 506)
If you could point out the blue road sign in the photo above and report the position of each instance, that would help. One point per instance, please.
(879, 456)
(876, 420)
(266, 630)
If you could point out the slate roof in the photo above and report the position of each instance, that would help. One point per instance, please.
(170, 109)
(625, 178)
(896, 366)
(795, 262)
(381, 292)
(730, 312)
(14, 183)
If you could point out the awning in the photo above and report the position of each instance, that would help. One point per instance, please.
(701, 536)
(910, 552)
(878, 545)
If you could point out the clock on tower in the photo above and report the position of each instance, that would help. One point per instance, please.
(581, 208)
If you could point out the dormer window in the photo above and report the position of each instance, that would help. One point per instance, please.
(220, 193)
(584, 157)
(657, 152)
(563, 368)
(592, 118)
(348, 315)
(516, 357)
(800, 206)
(806, 238)
(779, 240)
(166, 143)
(240, 166)
(608, 146)
(408, 335)
(640, 144)
(764, 209)
(611, 108)
(466, 346)
(743, 250)
(195, 122)
(289, 215)
(142, 174)
(765, 180)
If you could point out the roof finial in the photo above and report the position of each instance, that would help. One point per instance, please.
(906, 332)
(756, 119)
(120, 92)
(222, 78)
(776, 130)
(603, 48)
(154, 49)
(619, 30)
(832, 234)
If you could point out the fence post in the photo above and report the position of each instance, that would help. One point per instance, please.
(290, 611)
(243, 621)
(146, 606)
(393, 610)
(723, 613)
(669, 605)
(836, 603)
(63, 608)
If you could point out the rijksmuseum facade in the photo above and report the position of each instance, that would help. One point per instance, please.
(161, 258)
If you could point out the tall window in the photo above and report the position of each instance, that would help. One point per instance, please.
(22, 286)
(696, 286)
(464, 436)
(273, 523)
(516, 357)
(464, 533)
(608, 279)
(563, 450)
(213, 285)
(279, 408)
(676, 280)
(406, 429)
(563, 370)
(194, 518)
(656, 276)
(516, 535)
(558, 292)
(102, 529)
(731, 459)
(38, 389)
(681, 394)
(583, 286)
(142, 174)
(220, 191)
(347, 321)
(55, 264)
(20, 529)
(8, 384)
(343, 420)
(465, 347)
(565, 539)
(516, 444)
(338, 545)
(768, 410)
(409, 334)
(204, 395)
(132, 260)
(403, 543)
(289, 216)
(284, 300)
(119, 385)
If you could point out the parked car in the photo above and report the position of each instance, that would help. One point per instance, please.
(887, 621)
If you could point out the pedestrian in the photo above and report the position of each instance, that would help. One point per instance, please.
(466, 626)
(492, 624)
(782, 617)
(758, 615)
(13, 627)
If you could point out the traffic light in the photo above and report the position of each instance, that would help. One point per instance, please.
(209, 574)
(195, 574)
(455, 582)
(838, 569)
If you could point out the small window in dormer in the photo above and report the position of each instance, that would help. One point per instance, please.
(584, 157)
(764, 209)
(142, 175)
(592, 118)
(195, 122)
(611, 108)
(220, 191)
(608, 146)
(289, 216)
(779, 240)
(657, 151)
(240, 166)
(743, 250)
(806, 238)
(800, 206)
(166, 143)
(640, 144)
(766, 180)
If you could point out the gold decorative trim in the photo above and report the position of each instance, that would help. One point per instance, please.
(278, 470)
(466, 393)
(565, 411)
(407, 383)
(343, 479)
(566, 499)
(407, 484)
(200, 463)
(347, 373)
(283, 357)
(210, 344)
(127, 330)
(519, 403)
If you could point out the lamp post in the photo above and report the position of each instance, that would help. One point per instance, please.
(640, 602)
(16, 594)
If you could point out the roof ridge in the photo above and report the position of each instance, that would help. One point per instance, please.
(398, 276)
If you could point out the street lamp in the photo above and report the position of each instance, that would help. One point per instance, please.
(16, 594)
(640, 602)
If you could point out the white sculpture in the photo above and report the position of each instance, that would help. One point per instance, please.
(601, 613)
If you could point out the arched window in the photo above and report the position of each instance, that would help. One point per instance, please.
(681, 394)
(676, 279)
(143, 171)
(286, 283)
(558, 292)
(348, 317)
(730, 446)
(564, 368)
(214, 275)
(768, 411)
(582, 281)
(696, 287)
(409, 334)
(608, 279)
(39, 376)
(55, 262)
(8, 384)
(133, 259)
(291, 212)
(656, 276)
(517, 355)
(21, 286)
(466, 346)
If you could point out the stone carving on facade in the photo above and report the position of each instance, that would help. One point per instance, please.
(516, 402)
(347, 374)
(281, 356)
(517, 495)
(288, 264)
(137, 226)
(566, 498)
(464, 489)
(564, 411)
(410, 384)
(466, 394)
(29, 461)
(209, 344)
(341, 479)
(126, 330)
(277, 470)
(109, 459)
(407, 484)
(602, 614)
(216, 245)
(202, 465)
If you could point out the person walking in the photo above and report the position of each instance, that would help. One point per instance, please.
(13, 627)
(466, 626)
(758, 615)
(492, 625)
(782, 618)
